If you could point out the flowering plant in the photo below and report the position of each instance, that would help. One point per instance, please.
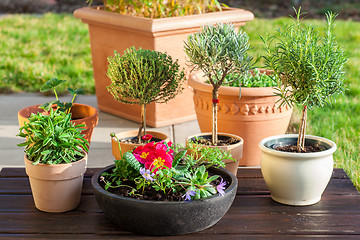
(160, 171)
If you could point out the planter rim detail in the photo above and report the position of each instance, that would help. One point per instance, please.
(25, 113)
(195, 81)
(265, 145)
(91, 14)
(96, 185)
(241, 141)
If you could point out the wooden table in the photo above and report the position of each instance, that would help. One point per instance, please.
(253, 214)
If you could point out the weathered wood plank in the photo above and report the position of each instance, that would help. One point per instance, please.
(244, 204)
(235, 222)
(200, 236)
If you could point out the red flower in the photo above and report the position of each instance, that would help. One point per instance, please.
(147, 137)
(154, 156)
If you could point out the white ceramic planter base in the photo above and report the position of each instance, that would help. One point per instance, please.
(296, 178)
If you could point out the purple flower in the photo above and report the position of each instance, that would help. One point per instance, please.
(188, 194)
(147, 174)
(221, 187)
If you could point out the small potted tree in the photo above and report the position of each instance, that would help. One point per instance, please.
(155, 25)
(297, 168)
(55, 160)
(80, 113)
(218, 51)
(142, 77)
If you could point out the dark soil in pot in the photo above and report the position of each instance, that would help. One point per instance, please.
(222, 140)
(290, 146)
(134, 140)
(293, 148)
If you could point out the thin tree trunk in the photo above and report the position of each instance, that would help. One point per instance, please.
(301, 139)
(144, 117)
(215, 102)
(142, 123)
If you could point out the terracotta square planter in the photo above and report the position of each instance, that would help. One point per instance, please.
(112, 31)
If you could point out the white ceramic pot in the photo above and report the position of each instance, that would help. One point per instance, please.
(296, 178)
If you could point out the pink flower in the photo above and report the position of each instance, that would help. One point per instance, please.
(147, 137)
(141, 152)
(154, 156)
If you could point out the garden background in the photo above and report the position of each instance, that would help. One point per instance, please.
(40, 39)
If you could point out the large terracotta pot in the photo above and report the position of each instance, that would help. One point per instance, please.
(236, 150)
(81, 114)
(56, 188)
(112, 31)
(164, 217)
(253, 117)
(296, 178)
(125, 147)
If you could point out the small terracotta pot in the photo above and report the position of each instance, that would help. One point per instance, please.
(56, 188)
(125, 147)
(255, 116)
(236, 150)
(81, 114)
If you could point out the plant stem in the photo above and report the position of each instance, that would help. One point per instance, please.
(215, 96)
(142, 122)
(301, 139)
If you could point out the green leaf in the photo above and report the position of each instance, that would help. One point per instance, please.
(130, 158)
(51, 84)
(71, 91)
(80, 91)
(178, 157)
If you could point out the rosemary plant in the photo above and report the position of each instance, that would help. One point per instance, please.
(218, 51)
(311, 66)
(142, 77)
(161, 9)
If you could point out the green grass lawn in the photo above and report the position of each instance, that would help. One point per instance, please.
(34, 49)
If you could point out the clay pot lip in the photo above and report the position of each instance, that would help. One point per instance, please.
(288, 137)
(195, 81)
(133, 133)
(96, 15)
(58, 165)
(219, 134)
(96, 186)
(24, 111)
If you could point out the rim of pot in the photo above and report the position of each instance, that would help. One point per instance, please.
(241, 140)
(330, 145)
(96, 185)
(195, 82)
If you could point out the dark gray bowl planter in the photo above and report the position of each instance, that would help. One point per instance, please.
(161, 217)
